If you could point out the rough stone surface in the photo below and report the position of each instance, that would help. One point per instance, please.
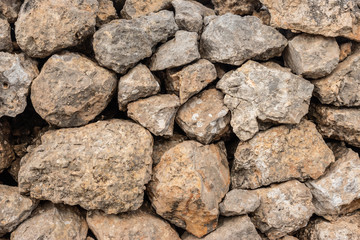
(14, 208)
(280, 154)
(16, 73)
(239, 7)
(10, 9)
(130, 226)
(284, 208)
(189, 183)
(138, 8)
(342, 86)
(233, 39)
(51, 221)
(269, 94)
(5, 35)
(59, 24)
(103, 165)
(239, 202)
(345, 50)
(331, 18)
(156, 113)
(71, 90)
(121, 44)
(161, 145)
(312, 56)
(106, 12)
(181, 50)
(6, 149)
(204, 117)
(139, 82)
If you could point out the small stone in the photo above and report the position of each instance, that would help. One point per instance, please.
(59, 25)
(51, 221)
(239, 202)
(188, 184)
(156, 113)
(238, 7)
(16, 74)
(292, 152)
(233, 39)
(15, 208)
(269, 94)
(106, 12)
(161, 145)
(138, 8)
(71, 90)
(10, 9)
(204, 117)
(139, 82)
(6, 149)
(312, 56)
(345, 50)
(5, 35)
(127, 226)
(103, 165)
(289, 238)
(121, 44)
(284, 208)
(181, 50)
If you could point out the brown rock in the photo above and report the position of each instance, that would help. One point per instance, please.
(10, 9)
(239, 7)
(239, 202)
(161, 145)
(289, 238)
(5, 35)
(188, 184)
(137, 8)
(106, 12)
(345, 50)
(6, 149)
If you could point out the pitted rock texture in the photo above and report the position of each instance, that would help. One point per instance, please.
(16, 74)
(161, 145)
(71, 90)
(239, 7)
(10, 9)
(269, 94)
(138, 8)
(6, 149)
(5, 35)
(59, 24)
(121, 44)
(188, 184)
(103, 165)
(239, 202)
(106, 12)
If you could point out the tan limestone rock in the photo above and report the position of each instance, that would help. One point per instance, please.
(106, 12)
(161, 145)
(137, 8)
(10, 9)
(345, 50)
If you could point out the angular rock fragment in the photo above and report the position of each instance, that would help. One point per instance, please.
(161, 145)
(5, 36)
(71, 90)
(138, 8)
(239, 202)
(15, 208)
(181, 50)
(345, 50)
(297, 152)
(156, 113)
(106, 12)
(6, 149)
(50, 221)
(16, 73)
(233, 39)
(239, 7)
(284, 208)
(133, 225)
(10, 9)
(269, 94)
(188, 184)
(312, 56)
(139, 82)
(59, 24)
(121, 44)
(204, 117)
(103, 165)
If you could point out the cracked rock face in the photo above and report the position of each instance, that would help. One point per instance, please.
(10, 9)
(59, 24)
(270, 94)
(71, 90)
(239, 202)
(103, 165)
(239, 7)
(138, 8)
(5, 35)
(6, 149)
(188, 184)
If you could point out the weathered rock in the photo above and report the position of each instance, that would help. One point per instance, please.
(6, 149)
(191, 79)
(156, 113)
(161, 145)
(5, 35)
(312, 56)
(103, 165)
(188, 184)
(59, 24)
(181, 50)
(130, 226)
(16, 73)
(289, 238)
(10, 9)
(239, 7)
(71, 90)
(106, 12)
(239, 202)
(121, 44)
(138, 8)
(338, 123)
(139, 82)
(14, 208)
(284, 208)
(269, 94)
(51, 221)
(297, 152)
(345, 50)
(204, 117)
(239, 228)
(331, 18)
(342, 86)
(233, 39)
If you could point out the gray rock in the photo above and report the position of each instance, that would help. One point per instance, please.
(10, 9)
(138, 8)
(161, 145)
(103, 165)
(6, 149)
(233, 39)
(239, 202)
(121, 44)
(5, 35)
(181, 50)
(269, 94)
(239, 7)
